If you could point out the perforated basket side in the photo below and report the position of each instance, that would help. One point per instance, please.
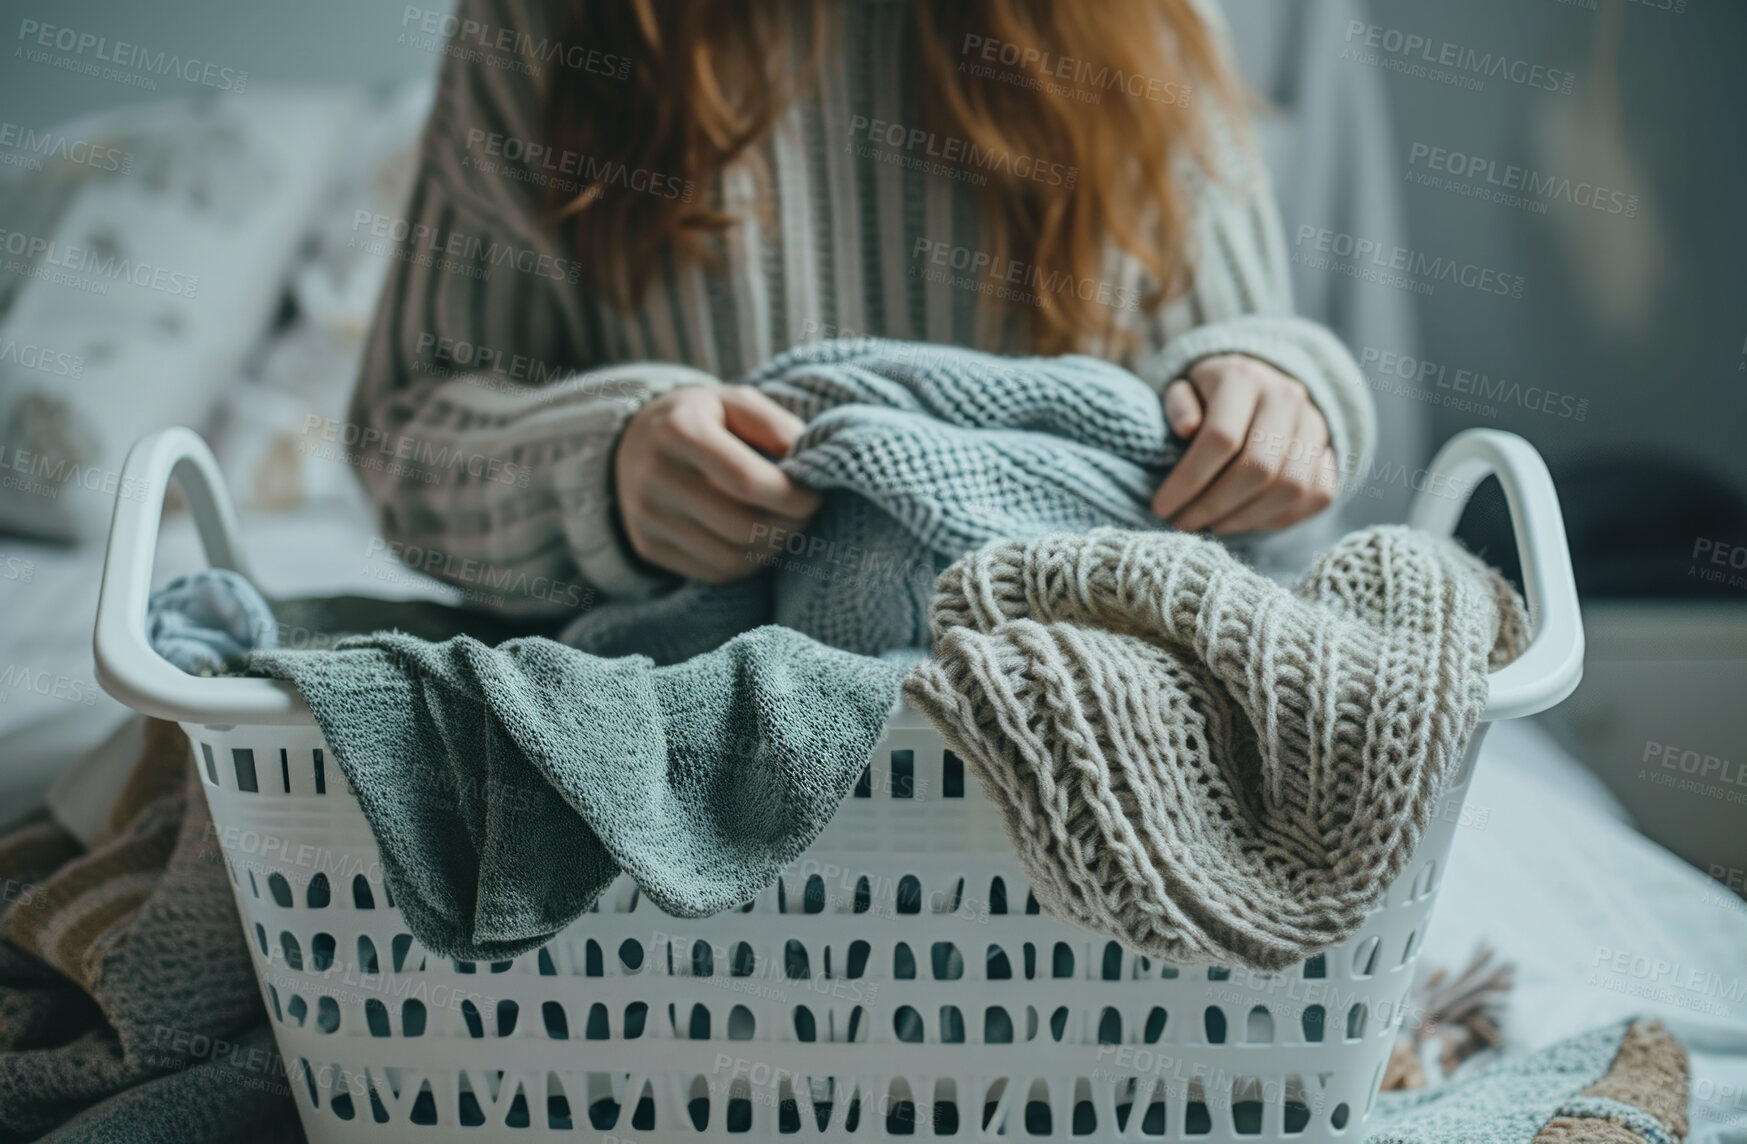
(898, 976)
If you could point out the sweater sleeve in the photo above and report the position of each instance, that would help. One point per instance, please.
(1241, 303)
(484, 421)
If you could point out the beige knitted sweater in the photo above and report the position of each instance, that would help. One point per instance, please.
(1197, 761)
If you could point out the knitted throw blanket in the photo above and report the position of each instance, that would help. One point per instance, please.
(1199, 762)
(128, 1007)
(924, 452)
(1624, 1083)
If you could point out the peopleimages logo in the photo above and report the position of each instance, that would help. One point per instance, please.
(1010, 278)
(1730, 877)
(1444, 62)
(46, 474)
(362, 445)
(428, 245)
(543, 165)
(16, 677)
(472, 573)
(1691, 772)
(468, 38)
(1512, 185)
(1079, 78)
(1719, 562)
(962, 152)
(443, 356)
(1390, 265)
(28, 148)
(88, 53)
(38, 254)
(34, 357)
(1430, 375)
(1666, 980)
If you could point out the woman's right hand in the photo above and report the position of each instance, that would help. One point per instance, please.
(696, 481)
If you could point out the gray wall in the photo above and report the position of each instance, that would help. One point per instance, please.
(1661, 367)
(306, 41)
(1645, 318)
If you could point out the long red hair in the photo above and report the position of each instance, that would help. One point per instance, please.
(1116, 91)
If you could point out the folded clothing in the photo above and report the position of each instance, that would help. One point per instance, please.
(1197, 761)
(131, 1012)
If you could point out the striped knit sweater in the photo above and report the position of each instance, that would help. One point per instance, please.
(490, 357)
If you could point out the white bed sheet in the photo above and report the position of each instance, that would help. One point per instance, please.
(1600, 922)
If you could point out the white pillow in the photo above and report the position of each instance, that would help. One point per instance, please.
(136, 295)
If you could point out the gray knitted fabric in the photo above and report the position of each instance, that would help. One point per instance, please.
(508, 787)
(129, 1010)
(923, 453)
(1197, 761)
(1624, 1083)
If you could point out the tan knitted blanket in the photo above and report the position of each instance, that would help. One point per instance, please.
(1208, 766)
(128, 1004)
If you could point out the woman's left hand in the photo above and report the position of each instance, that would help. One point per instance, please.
(1258, 455)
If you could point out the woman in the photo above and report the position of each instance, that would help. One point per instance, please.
(623, 206)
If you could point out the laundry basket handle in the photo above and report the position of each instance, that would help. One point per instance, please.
(1551, 667)
(127, 666)
(129, 669)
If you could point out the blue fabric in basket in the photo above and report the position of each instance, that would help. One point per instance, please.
(206, 621)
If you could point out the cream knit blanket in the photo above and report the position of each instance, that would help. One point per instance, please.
(1199, 762)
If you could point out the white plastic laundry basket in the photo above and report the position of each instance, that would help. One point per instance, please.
(898, 980)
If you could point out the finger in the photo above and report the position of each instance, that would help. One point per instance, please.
(737, 469)
(1289, 498)
(737, 523)
(1254, 470)
(693, 551)
(1312, 431)
(1278, 507)
(759, 421)
(1324, 485)
(1182, 408)
(1220, 437)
